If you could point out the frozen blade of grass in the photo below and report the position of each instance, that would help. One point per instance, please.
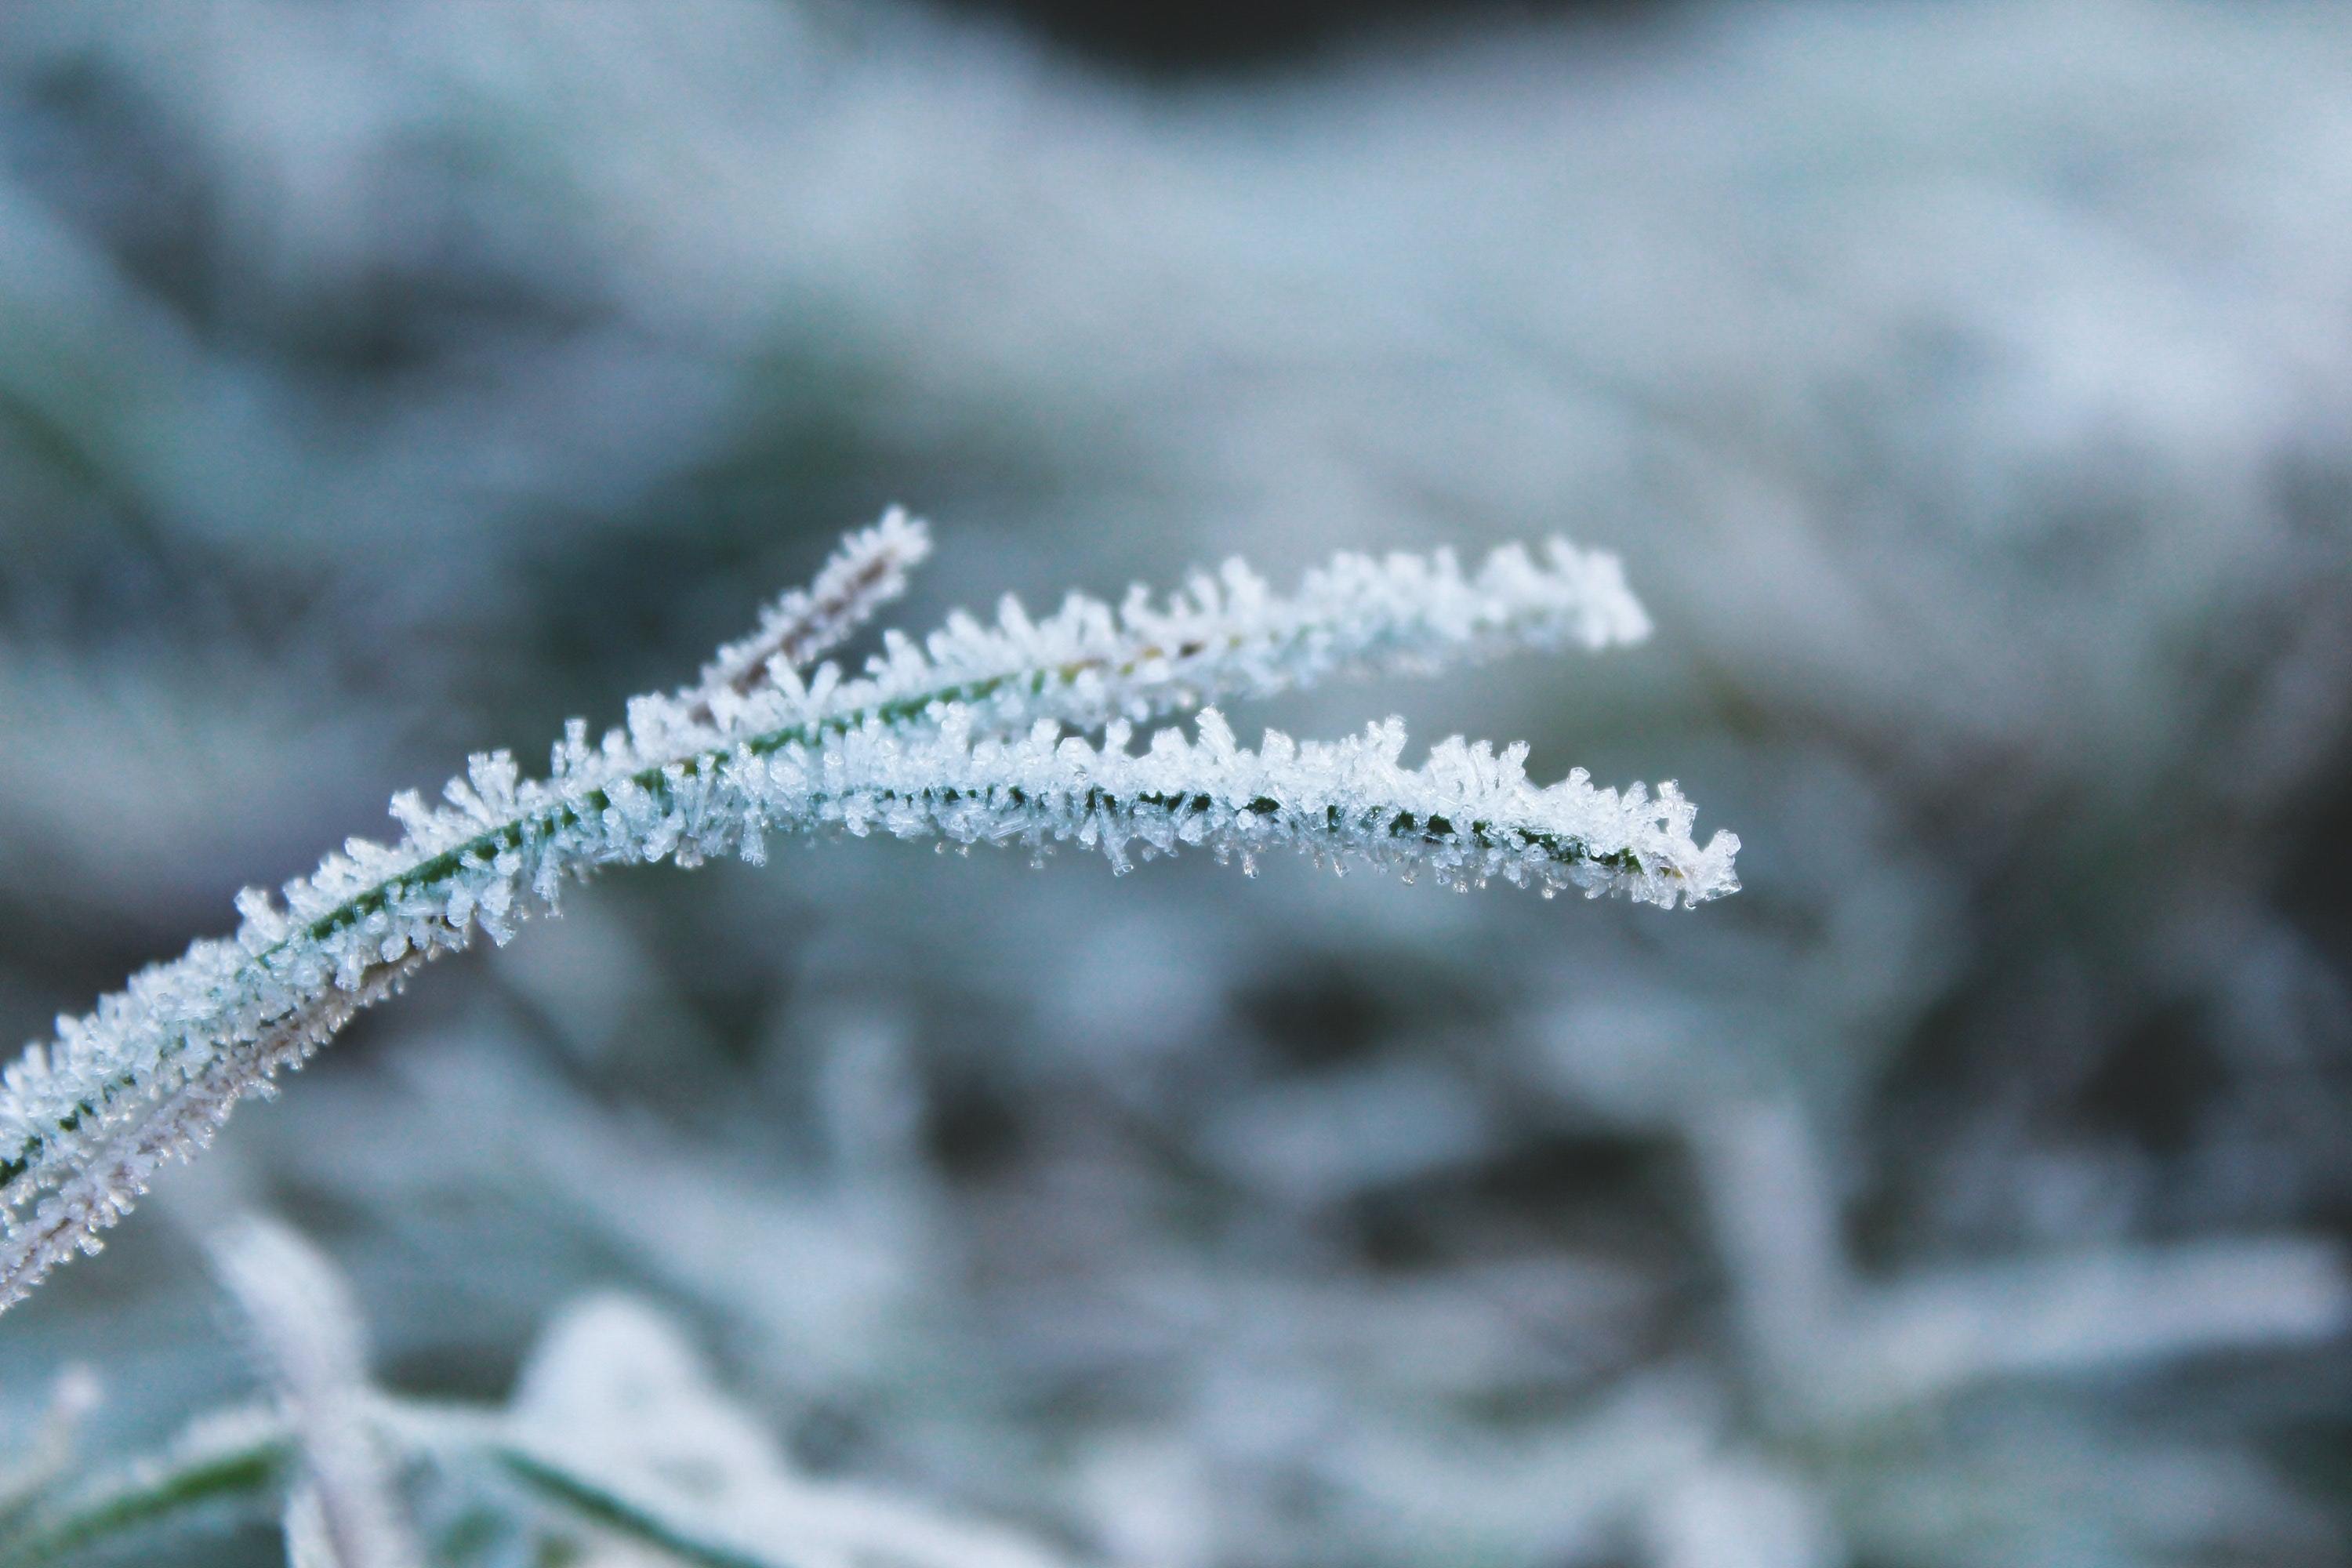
(579, 1490)
(307, 1329)
(235, 1460)
(119, 1163)
(868, 570)
(959, 738)
(633, 1518)
(617, 1396)
(246, 1459)
(309, 1539)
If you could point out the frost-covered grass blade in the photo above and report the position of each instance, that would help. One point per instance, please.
(976, 736)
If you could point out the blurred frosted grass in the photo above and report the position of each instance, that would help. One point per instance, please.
(1967, 389)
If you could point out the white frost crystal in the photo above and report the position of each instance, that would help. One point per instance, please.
(974, 736)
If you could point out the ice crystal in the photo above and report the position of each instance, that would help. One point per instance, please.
(977, 735)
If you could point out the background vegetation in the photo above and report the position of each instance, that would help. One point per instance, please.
(1967, 389)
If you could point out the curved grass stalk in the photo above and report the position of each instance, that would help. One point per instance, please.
(959, 738)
